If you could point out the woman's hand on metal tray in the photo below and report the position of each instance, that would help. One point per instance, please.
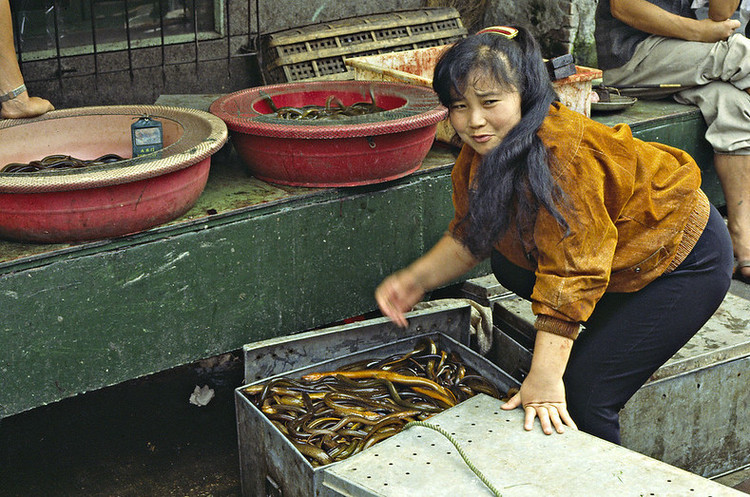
(543, 398)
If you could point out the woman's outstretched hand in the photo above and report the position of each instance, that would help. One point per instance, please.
(445, 261)
(397, 294)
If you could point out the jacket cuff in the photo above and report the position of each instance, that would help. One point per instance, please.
(556, 326)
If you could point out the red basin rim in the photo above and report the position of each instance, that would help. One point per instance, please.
(204, 134)
(422, 108)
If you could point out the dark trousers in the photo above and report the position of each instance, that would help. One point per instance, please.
(630, 335)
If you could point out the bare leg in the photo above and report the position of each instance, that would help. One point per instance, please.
(734, 175)
(10, 74)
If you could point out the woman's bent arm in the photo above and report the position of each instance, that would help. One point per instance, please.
(443, 263)
(542, 392)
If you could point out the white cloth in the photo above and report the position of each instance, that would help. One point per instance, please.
(481, 319)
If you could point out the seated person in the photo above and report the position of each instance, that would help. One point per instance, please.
(648, 42)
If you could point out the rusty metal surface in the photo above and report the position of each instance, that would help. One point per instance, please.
(409, 66)
(420, 461)
(693, 411)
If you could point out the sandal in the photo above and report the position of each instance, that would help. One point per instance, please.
(737, 275)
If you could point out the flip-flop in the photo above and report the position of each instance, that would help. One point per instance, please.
(738, 273)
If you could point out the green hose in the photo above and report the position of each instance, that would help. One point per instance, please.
(452, 440)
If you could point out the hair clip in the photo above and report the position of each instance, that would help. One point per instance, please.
(505, 31)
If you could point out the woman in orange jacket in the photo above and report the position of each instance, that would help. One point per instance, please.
(611, 238)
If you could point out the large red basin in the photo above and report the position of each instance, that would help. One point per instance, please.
(353, 151)
(103, 201)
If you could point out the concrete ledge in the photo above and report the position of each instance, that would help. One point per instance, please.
(248, 262)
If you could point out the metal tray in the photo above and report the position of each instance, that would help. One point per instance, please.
(269, 464)
(616, 102)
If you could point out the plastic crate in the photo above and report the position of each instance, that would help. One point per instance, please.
(317, 51)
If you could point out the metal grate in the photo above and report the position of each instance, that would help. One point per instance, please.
(331, 65)
(105, 28)
(294, 49)
(323, 44)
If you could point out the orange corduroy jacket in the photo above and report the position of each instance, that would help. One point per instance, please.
(635, 211)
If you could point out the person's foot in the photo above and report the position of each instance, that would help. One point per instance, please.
(734, 175)
(24, 106)
(741, 254)
(742, 270)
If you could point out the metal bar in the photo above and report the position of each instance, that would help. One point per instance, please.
(93, 41)
(229, 38)
(127, 34)
(258, 51)
(195, 35)
(17, 36)
(163, 49)
(637, 87)
(57, 40)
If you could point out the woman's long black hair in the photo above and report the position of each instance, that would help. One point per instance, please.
(515, 176)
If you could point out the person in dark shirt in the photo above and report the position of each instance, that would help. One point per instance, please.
(656, 42)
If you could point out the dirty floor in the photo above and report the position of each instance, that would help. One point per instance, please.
(141, 438)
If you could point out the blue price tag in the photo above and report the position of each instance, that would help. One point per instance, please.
(147, 136)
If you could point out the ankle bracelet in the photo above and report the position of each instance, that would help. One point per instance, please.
(13, 94)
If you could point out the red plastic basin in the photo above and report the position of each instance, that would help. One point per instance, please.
(348, 152)
(103, 201)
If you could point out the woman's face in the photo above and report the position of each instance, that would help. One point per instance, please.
(485, 113)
